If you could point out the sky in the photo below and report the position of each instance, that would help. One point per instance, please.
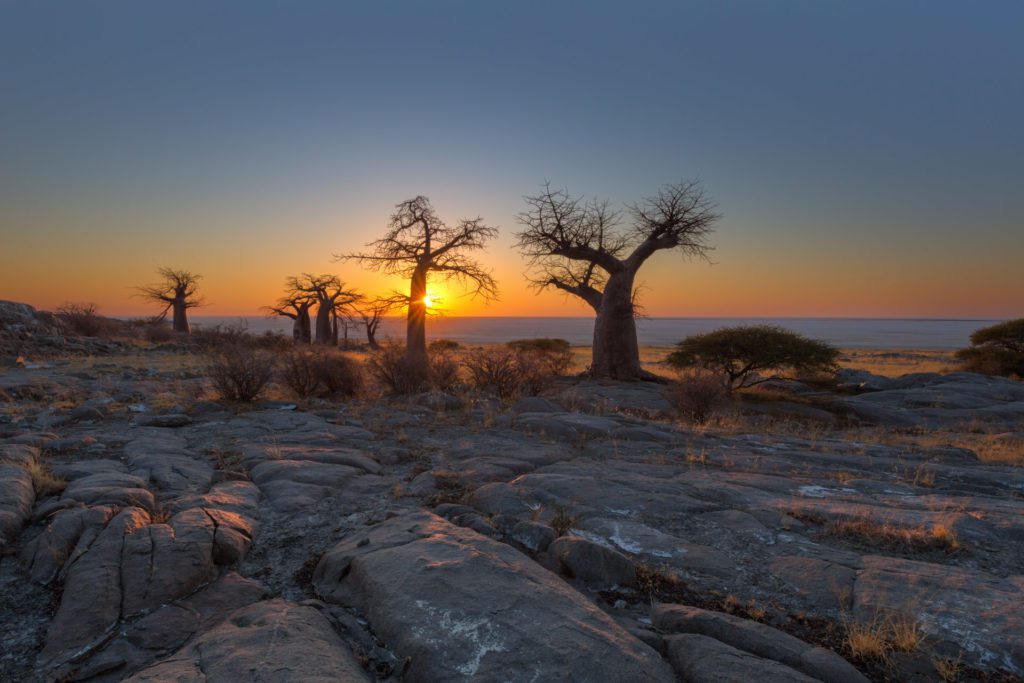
(867, 157)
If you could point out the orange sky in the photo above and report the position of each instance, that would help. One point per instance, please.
(99, 255)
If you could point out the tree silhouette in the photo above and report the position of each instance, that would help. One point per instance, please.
(372, 311)
(582, 249)
(295, 304)
(419, 243)
(177, 292)
(330, 295)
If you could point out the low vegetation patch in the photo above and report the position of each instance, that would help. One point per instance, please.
(240, 373)
(697, 395)
(743, 355)
(996, 350)
(896, 537)
(44, 481)
(563, 521)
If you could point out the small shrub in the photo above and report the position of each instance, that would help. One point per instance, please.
(443, 345)
(562, 521)
(697, 395)
(996, 350)
(555, 355)
(443, 371)
(240, 373)
(741, 354)
(157, 331)
(300, 372)
(221, 337)
(390, 367)
(496, 369)
(82, 319)
(340, 375)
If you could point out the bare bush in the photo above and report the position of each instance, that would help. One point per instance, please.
(322, 372)
(496, 369)
(240, 373)
(83, 319)
(554, 354)
(397, 373)
(443, 371)
(340, 375)
(697, 395)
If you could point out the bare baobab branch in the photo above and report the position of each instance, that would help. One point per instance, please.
(419, 243)
(581, 248)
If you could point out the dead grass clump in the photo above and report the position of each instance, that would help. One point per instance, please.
(949, 670)
(450, 487)
(240, 373)
(896, 537)
(44, 481)
(697, 395)
(563, 521)
(877, 639)
(657, 584)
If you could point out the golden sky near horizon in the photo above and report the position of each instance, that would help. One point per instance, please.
(244, 260)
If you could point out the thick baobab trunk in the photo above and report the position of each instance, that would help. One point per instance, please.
(323, 324)
(301, 325)
(616, 354)
(416, 321)
(180, 320)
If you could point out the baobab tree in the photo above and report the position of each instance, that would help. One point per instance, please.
(419, 243)
(582, 249)
(372, 311)
(330, 294)
(177, 292)
(295, 304)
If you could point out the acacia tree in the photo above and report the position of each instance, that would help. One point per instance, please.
(329, 294)
(177, 292)
(581, 248)
(295, 304)
(419, 243)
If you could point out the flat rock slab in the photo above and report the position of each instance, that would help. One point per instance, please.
(981, 613)
(748, 637)
(464, 607)
(269, 642)
(17, 496)
(700, 659)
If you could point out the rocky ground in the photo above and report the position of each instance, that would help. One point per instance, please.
(584, 535)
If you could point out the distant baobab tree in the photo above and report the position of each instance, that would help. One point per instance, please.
(295, 304)
(419, 243)
(372, 311)
(330, 295)
(581, 248)
(177, 292)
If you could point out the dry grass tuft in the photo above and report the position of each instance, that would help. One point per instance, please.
(563, 521)
(883, 635)
(896, 537)
(949, 670)
(44, 481)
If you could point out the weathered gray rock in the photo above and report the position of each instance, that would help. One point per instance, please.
(464, 607)
(827, 586)
(47, 553)
(592, 563)
(700, 659)
(17, 495)
(270, 641)
(982, 613)
(757, 639)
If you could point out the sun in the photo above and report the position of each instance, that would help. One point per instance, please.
(428, 301)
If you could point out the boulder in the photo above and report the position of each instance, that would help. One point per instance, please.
(464, 607)
(700, 659)
(592, 563)
(270, 641)
(756, 639)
